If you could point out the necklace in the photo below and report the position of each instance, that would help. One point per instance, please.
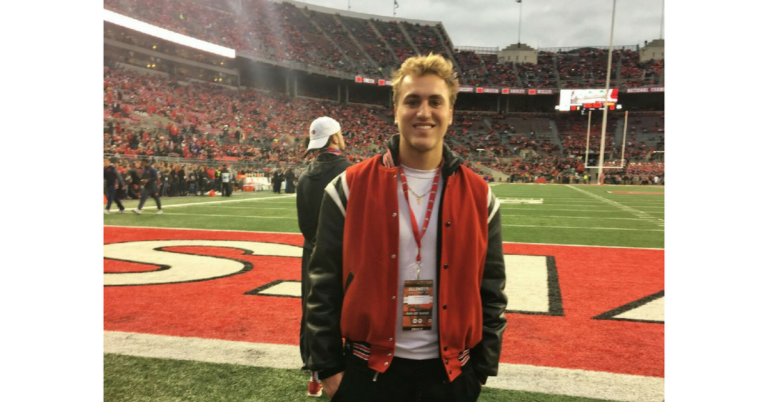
(418, 197)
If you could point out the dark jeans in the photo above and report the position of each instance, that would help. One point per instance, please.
(150, 191)
(406, 380)
(114, 195)
(303, 341)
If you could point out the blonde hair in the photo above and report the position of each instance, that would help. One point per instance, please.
(423, 65)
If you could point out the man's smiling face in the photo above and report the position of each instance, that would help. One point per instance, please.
(423, 112)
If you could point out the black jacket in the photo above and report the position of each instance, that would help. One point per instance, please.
(309, 192)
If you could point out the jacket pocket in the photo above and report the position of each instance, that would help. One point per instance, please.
(350, 277)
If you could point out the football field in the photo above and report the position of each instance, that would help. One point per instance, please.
(200, 303)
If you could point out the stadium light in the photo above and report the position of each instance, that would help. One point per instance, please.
(148, 29)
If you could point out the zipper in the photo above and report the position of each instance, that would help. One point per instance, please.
(375, 376)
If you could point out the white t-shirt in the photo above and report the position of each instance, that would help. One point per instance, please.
(417, 345)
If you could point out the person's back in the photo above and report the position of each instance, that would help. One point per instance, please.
(310, 189)
(326, 138)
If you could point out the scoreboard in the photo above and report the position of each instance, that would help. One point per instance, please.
(588, 99)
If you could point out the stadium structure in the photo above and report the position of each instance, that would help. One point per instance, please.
(206, 83)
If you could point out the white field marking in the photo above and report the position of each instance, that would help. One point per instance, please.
(283, 289)
(602, 211)
(183, 267)
(652, 311)
(233, 216)
(253, 208)
(578, 227)
(299, 234)
(520, 200)
(575, 217)
(528, 283)
(214, 202)
(637, 213)
(519, 377)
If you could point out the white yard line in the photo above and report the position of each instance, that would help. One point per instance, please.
(146, 206)
(573, 217)
(578, 227)
(550, 380)
(256, 208)
(637, 213)
(547, 209)
(233, 216)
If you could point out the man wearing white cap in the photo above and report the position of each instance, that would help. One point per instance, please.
(326, 140)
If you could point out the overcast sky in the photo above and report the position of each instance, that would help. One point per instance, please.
(546, 23)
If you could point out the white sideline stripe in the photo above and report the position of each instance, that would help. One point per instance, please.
(292, 207)
(536, 207)
(231, 216)
(575, 217)
(299, 233)
(546, 209)
(214, 202)
(573, 382)
(580, 227)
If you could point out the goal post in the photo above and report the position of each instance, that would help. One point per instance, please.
(623, 144)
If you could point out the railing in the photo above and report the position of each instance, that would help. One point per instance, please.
(478, 49)
(636, 48)
(255, 165)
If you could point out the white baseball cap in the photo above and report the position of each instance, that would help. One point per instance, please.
(321, 130)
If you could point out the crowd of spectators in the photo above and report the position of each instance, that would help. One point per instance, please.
(153, 115)
(284, 32)
(426, 38)
(499, 74)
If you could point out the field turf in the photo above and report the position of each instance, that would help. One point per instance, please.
(571, 215)
(567, 214)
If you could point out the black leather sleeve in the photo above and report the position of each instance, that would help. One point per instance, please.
(326, 294)
(485, 355)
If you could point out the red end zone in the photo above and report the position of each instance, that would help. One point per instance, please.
(592, 281)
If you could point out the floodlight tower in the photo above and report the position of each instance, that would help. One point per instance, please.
(607, 97)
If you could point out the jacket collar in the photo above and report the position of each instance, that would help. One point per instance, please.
(451, 161)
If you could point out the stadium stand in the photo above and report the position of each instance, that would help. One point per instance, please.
(171, 110)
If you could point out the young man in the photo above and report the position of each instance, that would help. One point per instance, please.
(149, 180)
(408, 265)
(326, 140)
(115, 184)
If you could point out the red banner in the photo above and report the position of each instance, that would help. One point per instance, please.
(385, 83)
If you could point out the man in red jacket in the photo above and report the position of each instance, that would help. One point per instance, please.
(408, 265)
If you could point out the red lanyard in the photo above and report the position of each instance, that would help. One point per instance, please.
(430, 204)
(334, 151)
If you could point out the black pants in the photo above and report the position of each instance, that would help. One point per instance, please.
(114, 194)
(150, 191)
(406, 380)
(303, 340)
(226, 189)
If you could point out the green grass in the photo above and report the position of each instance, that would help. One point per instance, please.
(573, 215)
(137, 379)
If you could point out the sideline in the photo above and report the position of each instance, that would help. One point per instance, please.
(519, 377)
(217, 202)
